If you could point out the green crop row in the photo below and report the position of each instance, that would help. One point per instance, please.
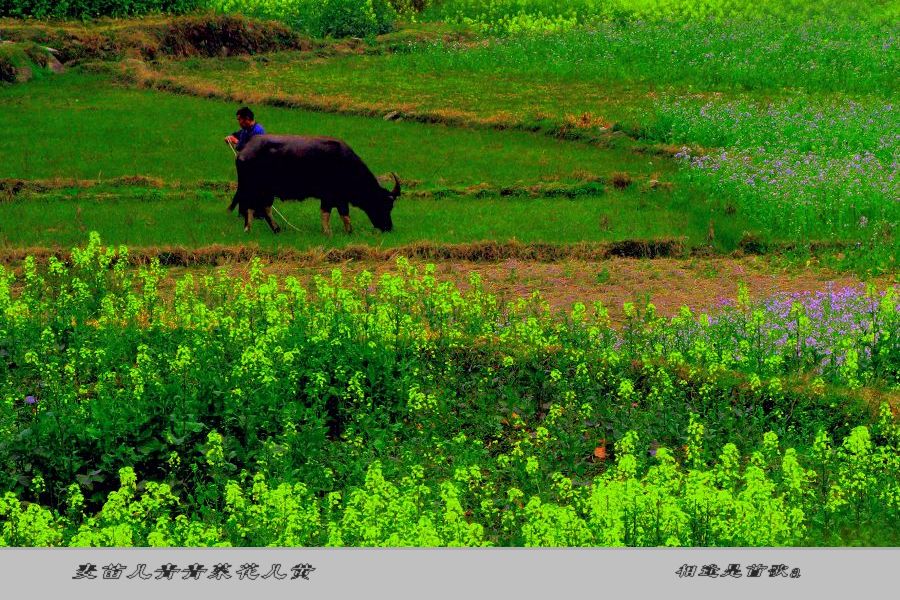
(370, 17)
(522, 16)
(771, 500)
(463, 401)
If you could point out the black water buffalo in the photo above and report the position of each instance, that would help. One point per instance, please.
(295, 168)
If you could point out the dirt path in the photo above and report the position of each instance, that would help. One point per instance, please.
(700, 283)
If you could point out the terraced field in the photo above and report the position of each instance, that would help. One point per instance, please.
(639, 267)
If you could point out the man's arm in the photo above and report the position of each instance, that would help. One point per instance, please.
(249, 134)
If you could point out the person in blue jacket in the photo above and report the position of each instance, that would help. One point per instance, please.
(249, 128)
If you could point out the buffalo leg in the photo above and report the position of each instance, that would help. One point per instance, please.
(344, 211)
(326, 219)
(248, 219)
(234, 202)
(271, 221)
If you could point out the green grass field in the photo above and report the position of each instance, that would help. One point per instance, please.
(512, 113)
(151, 217)
(85, 128)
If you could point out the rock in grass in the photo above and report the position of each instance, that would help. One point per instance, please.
(54, 65)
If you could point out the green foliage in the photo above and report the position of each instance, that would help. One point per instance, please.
(337, 18)
(84, 9)
(409, 8)
(261, 412)
(517, 16)
(770, 54)
(662, 504)
(802, 166)
(284, 515)
(342, 18)
(319, 18)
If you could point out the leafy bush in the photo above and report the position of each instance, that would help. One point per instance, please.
(319, 18)
(188, 35)
(84, 9)
(518, 16)
(410, 7)
(342, 18)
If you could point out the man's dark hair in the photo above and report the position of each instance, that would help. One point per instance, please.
(245, 112)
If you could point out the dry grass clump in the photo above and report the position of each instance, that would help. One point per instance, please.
(620, 180)
(587, 121)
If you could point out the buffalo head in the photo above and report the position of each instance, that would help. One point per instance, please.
(379, 210)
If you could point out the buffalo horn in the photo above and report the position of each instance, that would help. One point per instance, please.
(396, 191)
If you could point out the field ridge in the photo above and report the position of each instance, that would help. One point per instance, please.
(580, 128)
(589, 185)
(475, 252)
(481, 251)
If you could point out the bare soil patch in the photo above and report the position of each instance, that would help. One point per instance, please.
(487, 251)
(699, 283)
